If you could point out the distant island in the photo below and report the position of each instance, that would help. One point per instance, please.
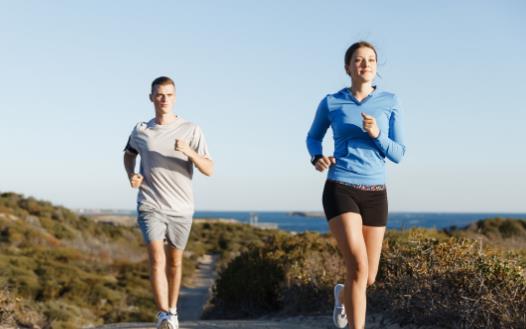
(307, 213)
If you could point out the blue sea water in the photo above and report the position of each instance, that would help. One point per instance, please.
(399, 220)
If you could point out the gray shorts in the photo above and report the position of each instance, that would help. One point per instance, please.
(159, 227)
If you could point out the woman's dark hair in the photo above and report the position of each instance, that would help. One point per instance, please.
(355, 46)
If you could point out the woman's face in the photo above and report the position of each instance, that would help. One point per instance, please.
(362, 66)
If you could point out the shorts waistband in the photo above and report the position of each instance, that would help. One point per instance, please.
(361, 187)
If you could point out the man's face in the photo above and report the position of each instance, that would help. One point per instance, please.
(163, 98)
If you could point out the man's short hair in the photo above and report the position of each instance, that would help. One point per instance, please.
(160, 81)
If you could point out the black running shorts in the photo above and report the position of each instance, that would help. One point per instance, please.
(339, 198)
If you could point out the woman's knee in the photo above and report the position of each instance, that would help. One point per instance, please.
(371, 277)
(358, 273)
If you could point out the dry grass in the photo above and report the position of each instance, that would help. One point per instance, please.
(7, 309)
(429, 278)
(426, 278)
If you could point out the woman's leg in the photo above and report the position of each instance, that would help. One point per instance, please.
(347, 230)
(374, 210)
(373, 237)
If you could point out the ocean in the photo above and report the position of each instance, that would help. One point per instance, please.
(289, 221)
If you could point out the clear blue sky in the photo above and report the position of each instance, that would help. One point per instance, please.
(75, 79)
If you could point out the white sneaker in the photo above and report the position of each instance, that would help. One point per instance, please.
(338, 313)
(174, 320)
(167, 320)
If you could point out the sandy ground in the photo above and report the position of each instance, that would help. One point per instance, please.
(374, 321)
(256, 324)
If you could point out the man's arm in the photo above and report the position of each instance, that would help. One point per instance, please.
(129, 165)
(205, 165)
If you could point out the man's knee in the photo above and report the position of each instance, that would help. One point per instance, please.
(157, 261)
(175, 265)
(156, 254)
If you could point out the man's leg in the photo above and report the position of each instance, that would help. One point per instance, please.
(158, 274)
(178, 234)
(174, 272)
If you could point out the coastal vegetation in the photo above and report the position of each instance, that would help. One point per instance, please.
(454, 281)
(61, 270)
(459, 278)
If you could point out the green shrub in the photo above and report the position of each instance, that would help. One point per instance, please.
(61, 314)
(499, 228)
(66, 271)
(292, 274)
(243, 288)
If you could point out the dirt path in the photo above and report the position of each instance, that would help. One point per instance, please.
(192, 300)
(223, 324)
(374, 321)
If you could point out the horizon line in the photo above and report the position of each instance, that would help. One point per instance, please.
(118, 210)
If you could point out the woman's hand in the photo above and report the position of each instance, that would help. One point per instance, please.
(370, 126)
(324, 163)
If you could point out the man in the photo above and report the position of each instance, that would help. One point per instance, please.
(169, 147)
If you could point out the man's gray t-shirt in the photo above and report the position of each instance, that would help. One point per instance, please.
(167, 184)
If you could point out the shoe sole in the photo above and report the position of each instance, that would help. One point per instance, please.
(166, 325)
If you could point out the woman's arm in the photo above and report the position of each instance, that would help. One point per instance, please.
(318, 129)
(392, 144)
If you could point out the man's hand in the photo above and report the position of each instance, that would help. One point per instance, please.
(136, 180)
(324, 163)
(182, 146)
(205, 165)
(370, 126)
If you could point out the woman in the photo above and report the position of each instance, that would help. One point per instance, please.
(366, 125)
